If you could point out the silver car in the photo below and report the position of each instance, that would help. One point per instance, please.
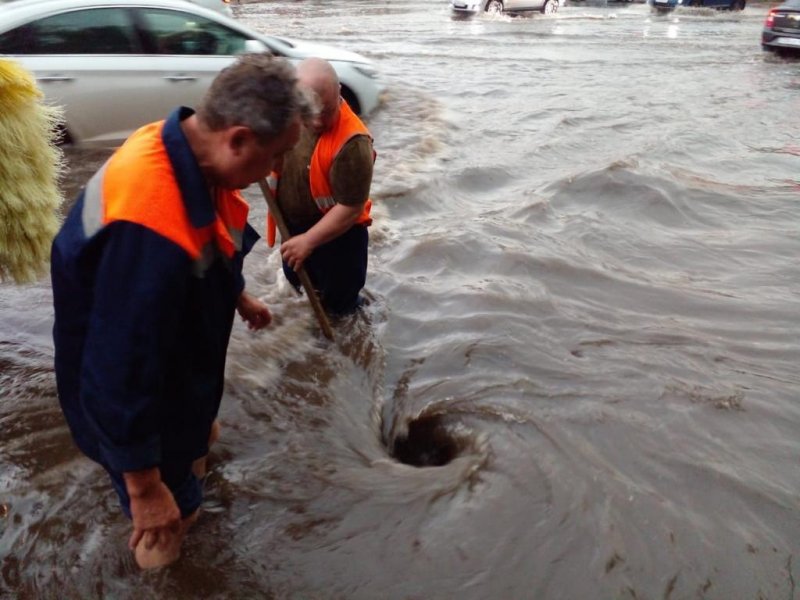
(470, 7)
(115, 65)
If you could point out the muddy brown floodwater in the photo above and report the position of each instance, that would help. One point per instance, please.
(577, 376)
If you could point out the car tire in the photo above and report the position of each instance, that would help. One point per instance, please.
(738, 5)
(494, 7)
(550, 7)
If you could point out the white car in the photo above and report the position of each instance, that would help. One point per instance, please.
(471, 7)
(115, 65)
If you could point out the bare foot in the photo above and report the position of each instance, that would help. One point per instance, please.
(168, 547)
(199, 465)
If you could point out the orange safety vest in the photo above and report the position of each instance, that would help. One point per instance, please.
(110, 197)
(328, 147)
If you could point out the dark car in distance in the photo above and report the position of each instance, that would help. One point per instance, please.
(781, 31)
(662, 6)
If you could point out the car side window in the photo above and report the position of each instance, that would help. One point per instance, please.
(175, 32)
(96, 31)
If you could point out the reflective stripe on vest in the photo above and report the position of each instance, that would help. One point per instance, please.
(92, 215)
(155, 201)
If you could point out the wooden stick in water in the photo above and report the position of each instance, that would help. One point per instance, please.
(311, 293)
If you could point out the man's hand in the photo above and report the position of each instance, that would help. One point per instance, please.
(156, 516)
(296, 249)
(336, 221)
(253, 311)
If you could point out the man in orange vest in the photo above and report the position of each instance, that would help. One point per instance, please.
(323, 192)
(147, 274)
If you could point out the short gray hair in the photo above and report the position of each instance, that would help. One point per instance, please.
(258, 91)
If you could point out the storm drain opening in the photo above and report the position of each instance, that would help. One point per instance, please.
(428, 443)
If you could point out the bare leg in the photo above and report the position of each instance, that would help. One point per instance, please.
(199, 465)
(168, 548)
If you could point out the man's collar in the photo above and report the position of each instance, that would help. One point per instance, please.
(190, 178)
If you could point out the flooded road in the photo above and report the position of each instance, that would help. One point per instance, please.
(577, 376)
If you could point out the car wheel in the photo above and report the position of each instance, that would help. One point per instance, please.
(549, 7)
(494, 7)
(738, 5)
(351, 99)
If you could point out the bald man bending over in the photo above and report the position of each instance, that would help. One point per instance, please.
(322, 189)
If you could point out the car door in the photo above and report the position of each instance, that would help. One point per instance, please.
(512, 5)
(89, 62)
(186, 51)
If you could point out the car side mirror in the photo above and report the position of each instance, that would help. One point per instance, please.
(255, 46)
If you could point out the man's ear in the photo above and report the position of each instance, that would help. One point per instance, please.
(238, 138)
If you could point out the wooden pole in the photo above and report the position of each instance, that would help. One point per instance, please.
(311, 293)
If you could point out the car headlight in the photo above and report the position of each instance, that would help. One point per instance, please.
(366, 70)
